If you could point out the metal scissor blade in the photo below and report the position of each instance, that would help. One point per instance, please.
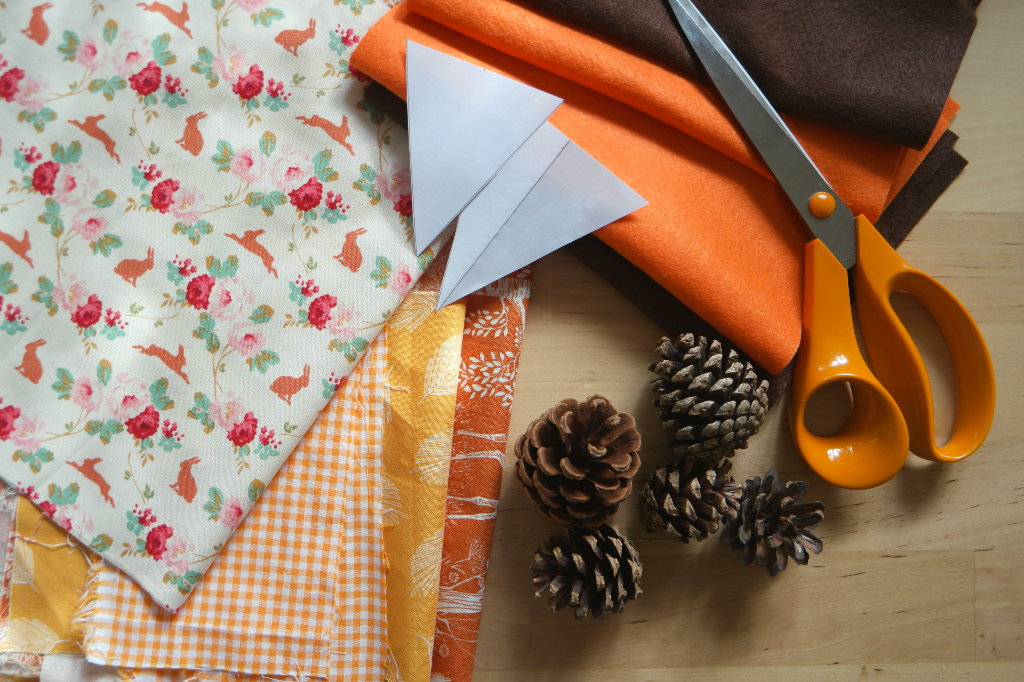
(786, 157)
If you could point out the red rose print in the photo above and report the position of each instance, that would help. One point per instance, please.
(163, 194)
(360, 76)
(49, 508)
(404, 205)
(244, 431)
(147, 81)
(251, 85)
(144, 424)
(9, 84)
(307, 197)
(197, 293)
(156, 540)
(320, 310)
(7, 416)
(88, 313)
(44, 176)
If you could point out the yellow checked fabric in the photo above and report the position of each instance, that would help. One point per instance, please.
(424, 354)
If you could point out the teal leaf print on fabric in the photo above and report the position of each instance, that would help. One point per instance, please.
(35, 460)
(265, 451)
(262, 360)
(139, 179)
(256, 489)
(295, 294)
(38, 119)
(63, 496)
(104, 370)
(266, 17)
(268, 141)
(223, 156)
(193, 232)
(206, 332)
(263, 314)
(6, 285)
(366, 183)
(44, 295)
(173, 99)
(161, 53)
(133, 523)
(20, 162)
(382, 273)
(201, 412)
(105, 430)
(158, 392)
(335, 43)
(101, 543)
(69, 48)
(213, 505)
(424, 260)
(266, 201)
(72, 154)
(106, 244)
(321, 166)
(350, 349)
(217, 4)
(217, 270)
(204, 66)
(62, 387)
(174, 275)
(107, 87)
(355, 5)
(109, 31)
(52, 218)
(106, 198)
(185, 582)
(375, 112)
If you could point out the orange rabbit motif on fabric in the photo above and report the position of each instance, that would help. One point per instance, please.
(192, 140)
(186, 484)
(37, 29)
(131, 269)
(18, 246)
(249, 243)
(351, 257)
(91, 129)
(338, 133)
(175, 363)
(291, 39)
(30, 367)
(178, 18)
(285, 387)
(88, 469)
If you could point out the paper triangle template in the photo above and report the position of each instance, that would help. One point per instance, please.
(465, 122)
(575, 196)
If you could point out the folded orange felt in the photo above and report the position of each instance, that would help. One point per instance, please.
(860, 168)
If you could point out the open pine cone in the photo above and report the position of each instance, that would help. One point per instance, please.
(773, 524)
(689, 498)
(713, 404)
(577, 461)
(596, 569)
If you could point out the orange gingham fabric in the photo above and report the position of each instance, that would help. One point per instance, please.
(300, 589)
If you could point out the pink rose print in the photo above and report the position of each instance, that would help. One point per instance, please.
(131, 54)
(226, 412)
(247, 166)
(187, 206)
(290, 169)
(26, 433)
(163, 194)
(401, 281)
(144, 424)
(74, 185)
(231, 64)
(393, 183)
(72, 295)
(252, 6)
(128, 397)
(9, 84)
(44, 176)
(231, 512)
(244, 431)
(176, 556)
(49, 508)
(147, 81)
(173, 85)
(156, 540)
(89, 224)
(320, 310)
(339, 325)
(87, 393)
(307, 197)
(246, 340)
(359, 75)
(33, 93)
(250, 85)
(229, 299)
(71, 517)
(197, 293)
(91, 54)
(404, 205)
(89, 313)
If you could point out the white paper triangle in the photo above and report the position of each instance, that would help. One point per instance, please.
(464, 124)
(497, 201)
(575, 196)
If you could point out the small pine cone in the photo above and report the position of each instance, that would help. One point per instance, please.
(577, 461)
(588, 568)
(713, 404)
(773, 523)
(689, 498)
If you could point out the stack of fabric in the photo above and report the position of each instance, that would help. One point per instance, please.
(238, 440)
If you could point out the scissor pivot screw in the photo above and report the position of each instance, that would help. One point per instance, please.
(822, 205)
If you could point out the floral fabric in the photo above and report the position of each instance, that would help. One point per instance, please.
(204, 224)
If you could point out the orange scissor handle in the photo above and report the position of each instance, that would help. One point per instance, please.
(872, 447)
(897, 363)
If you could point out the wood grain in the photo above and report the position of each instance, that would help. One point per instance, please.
(921, 579)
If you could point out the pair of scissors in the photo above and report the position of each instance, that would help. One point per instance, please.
(892, 405)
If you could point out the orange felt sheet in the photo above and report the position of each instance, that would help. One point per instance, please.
(718, 233)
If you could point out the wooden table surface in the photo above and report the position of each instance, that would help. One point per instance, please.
(920, 579)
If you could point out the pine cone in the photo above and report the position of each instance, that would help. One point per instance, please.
(714, 404)
(773, 524)
(577, 461)
(689, 498)
(588, 568)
